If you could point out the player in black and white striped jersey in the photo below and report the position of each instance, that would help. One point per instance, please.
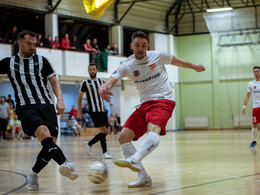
(97, 110)
(29, 73)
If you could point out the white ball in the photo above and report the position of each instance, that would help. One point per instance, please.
(97, 172)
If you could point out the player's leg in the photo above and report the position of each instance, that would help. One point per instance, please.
(256, 120)
(104, 131)
(129, 150)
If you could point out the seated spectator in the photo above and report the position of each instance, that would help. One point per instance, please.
(11, 36)
(95, 46)
(119, 127)
(88, 47)
(11, 111)
(2, 40)
(74, 44)
(47, 42)
(65, 42)
(86, 119)
(39, 42)
(74, 112)
(56, 43)
(108, 50)
(115, 49)
(113, 123)
(14, 126)
(72, 123)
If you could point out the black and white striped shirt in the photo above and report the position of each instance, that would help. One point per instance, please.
(29, 78)
(95, 102)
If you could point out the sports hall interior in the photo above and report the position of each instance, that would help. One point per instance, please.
(206, 148)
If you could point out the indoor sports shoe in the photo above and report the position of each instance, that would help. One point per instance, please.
(33, 182)
(128, 162)
(88, 148)
(141, 181)
(106, 155)
(67, 170)
(253, 144)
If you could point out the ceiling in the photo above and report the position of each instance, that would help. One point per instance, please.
(178, 17)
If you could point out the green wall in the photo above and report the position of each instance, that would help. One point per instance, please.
(218, 93)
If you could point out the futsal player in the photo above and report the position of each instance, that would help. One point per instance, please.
(29, 73)
(146, 69)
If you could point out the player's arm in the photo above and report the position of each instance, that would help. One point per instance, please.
(104, 90)
(79, 103)
(245, 102)
(184, 64)
(4, 65)
(58, 93)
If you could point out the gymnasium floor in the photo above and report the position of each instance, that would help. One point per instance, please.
(186, 163)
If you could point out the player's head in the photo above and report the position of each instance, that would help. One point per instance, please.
(27, 43)
(2, 99)
(92, 70)
(140, 44)
(256, 70)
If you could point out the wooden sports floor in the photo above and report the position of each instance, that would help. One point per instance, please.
(185, 163)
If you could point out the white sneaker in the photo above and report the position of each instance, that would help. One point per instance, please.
(67, 170)
(141, 181)
(33, 182)
(88, 148)
(128, 162)
(106, 155)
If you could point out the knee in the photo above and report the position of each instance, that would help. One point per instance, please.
(124, 138)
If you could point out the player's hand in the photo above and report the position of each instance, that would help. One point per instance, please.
(110, 103)
(105, 93)
(243, 110)
(60, 106)
(199, 68)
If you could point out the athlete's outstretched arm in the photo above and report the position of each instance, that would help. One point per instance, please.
(245, 102)
(104, 90)
(184, 64)
(58, 93)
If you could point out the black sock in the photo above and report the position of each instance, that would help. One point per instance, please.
(54, 151)
(95, 139)
(103, 142)
(42, 160)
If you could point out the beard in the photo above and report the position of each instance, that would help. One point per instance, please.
(93, 76)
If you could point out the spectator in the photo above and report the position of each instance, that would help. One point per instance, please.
(10, 101)
(74, 44)
(65, 42)
(112, 123)
(2, 40)
(47, 42)
(39, 41)
(108, 50)
(95, 45)
(56, 43)
(11, 36)
(11, 111)
(86, 119)
(88, 47)
(15, 126)
(74, 112)
(115, 49)
(74, 125)
(4, 112)
(118, 121)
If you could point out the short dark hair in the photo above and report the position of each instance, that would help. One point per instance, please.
(93, 64)
(255, 67)
(140, 34)
(22, 34)
(3, 96)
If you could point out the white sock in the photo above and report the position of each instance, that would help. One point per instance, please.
(150, 143)
(254, 133)
(32, 172)
(129, 150)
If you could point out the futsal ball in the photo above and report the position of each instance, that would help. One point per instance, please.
(97, 172)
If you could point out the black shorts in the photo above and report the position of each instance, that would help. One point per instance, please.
(34, 115)
(99, 119)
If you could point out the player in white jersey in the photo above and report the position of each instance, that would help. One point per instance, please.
(254, 86)
(147, 70)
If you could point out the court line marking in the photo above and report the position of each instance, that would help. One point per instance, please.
(20, 187)
(203, 184)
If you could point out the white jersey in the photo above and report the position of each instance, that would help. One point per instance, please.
(148, 74)
(254, 86)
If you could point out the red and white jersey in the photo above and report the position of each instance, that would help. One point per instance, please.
(148, 74)
(254, 87)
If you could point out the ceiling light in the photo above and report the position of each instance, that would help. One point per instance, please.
(220, 9)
